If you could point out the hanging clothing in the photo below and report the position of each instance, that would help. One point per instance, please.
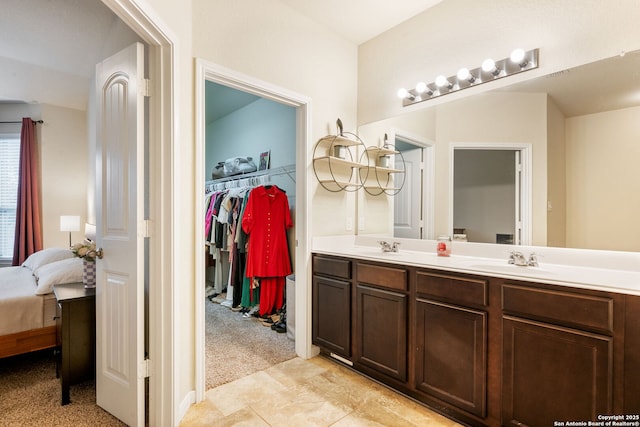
(266, 220)
(271, 294)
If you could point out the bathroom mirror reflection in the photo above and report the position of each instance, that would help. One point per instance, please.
(582, 131)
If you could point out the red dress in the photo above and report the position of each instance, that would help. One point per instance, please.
(266, 219)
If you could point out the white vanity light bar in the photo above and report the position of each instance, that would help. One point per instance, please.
(490, 70)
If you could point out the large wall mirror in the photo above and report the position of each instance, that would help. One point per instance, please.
(581, 128)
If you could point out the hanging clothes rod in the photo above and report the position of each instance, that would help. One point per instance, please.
(288, 170)
(19, 122)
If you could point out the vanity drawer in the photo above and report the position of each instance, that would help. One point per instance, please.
(331, 266)
(388, 277)
(455, 289)
(563, 308)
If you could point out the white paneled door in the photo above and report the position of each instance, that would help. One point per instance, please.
(407, 206)
(120, 367)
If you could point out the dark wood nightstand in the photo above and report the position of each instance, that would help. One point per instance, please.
(76, 335)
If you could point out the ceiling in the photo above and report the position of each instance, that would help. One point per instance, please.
(606, 85)
(68, 36)
(63, 35)
(360, 20)
(45, 33)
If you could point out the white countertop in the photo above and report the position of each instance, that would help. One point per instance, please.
(588, 269)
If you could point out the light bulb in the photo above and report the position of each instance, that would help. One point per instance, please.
(402, 93)
(465, 74)
(489, 65)
(442, 81)
(421, 87)
(517, 57)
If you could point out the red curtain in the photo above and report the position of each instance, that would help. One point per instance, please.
(28, 237)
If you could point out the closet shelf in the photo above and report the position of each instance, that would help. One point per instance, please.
(289, 170)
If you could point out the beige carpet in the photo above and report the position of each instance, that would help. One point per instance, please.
(30, 395)
(238, 346)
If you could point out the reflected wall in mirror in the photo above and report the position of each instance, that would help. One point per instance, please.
(583, 131)
(486, 202)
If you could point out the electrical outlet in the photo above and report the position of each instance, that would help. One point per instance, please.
(349, 225)
(361, 223)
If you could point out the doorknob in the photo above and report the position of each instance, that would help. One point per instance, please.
(99, 253)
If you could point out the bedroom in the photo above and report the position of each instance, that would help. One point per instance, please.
(51, 79)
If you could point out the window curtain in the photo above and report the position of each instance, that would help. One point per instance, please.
(28, 237)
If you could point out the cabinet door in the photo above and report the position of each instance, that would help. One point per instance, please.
(381, 331)
(552, 373)
(332, 315)
(451, 359)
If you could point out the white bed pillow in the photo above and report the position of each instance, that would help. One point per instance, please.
(64, 271)
(46, 256)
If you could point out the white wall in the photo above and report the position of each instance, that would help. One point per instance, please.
(270, 41)
(260, 126)
(556, 177)
(62, 151)
(484, 194)
(462, 33)
(64, 168)
(603, 155)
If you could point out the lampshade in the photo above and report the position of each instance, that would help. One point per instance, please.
(69, 223)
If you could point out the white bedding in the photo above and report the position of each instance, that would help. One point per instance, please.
(20, 309)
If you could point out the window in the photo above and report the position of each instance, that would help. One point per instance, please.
(9, 168)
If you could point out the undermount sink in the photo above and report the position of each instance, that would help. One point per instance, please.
(375, 251)
(510, 269)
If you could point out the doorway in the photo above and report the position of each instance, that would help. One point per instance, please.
(209, 72)
(413, 205)
(490, 190)
(250, 144)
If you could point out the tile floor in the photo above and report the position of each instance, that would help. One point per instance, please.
(315, 392)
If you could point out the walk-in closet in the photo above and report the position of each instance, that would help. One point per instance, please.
(249, 225)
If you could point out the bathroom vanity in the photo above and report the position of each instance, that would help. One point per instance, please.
(507, 346)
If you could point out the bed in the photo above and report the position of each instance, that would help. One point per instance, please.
(27, 303)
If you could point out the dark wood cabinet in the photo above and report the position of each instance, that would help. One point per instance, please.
(381, 331)
(381, 321)
(632, 356)
(485, 351)
(451, 354)
(331, 296)
(451, 339)
(553, 373)
(332, 315)
(558, 355)
(76, 335)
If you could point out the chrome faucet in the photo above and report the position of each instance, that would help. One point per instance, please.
(388, 247)
(518, 258)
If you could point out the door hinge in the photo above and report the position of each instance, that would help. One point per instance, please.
(145, 228)
(146, 87)
(143, 369)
